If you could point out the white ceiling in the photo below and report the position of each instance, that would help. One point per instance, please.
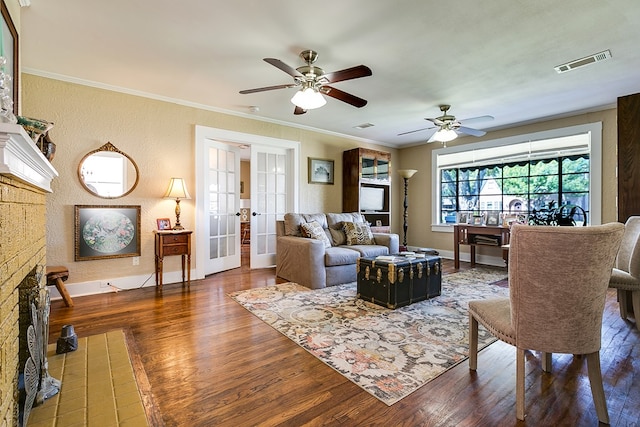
(484, 58)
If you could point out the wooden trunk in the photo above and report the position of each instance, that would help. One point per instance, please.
(399, 281)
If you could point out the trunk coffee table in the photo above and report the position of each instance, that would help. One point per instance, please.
(398, 280)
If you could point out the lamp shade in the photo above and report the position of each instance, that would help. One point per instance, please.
(177, 189)
(444, 135)
(308, 98)
(406, 173)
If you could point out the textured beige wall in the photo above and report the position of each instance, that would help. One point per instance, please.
(420, 188)
(159, 136)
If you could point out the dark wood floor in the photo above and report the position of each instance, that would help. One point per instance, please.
(210, 362)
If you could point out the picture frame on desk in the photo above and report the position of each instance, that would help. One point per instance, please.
(478, 220)
(105, 232)
(493, 218)
(163, 223)
(463, 217)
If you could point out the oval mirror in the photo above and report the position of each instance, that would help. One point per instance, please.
(108, 172)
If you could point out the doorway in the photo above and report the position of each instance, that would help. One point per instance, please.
(272, 185)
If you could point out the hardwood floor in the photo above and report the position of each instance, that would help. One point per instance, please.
(210, 362)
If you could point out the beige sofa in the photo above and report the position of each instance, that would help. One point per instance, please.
(311, 262)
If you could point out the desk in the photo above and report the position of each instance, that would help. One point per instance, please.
(465, 234)
(173, 242)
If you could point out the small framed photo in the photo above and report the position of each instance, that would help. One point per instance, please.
(163, 223)
(103, 232)
(493, 218)
(320, 171)
(478, 220)
(463, 218)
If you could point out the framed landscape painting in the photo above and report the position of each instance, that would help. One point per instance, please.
(320, 171)
(103, 232)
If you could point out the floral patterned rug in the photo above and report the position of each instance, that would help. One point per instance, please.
(389, 353)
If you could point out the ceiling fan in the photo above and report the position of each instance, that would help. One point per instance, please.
(449, 127)
(313, 83)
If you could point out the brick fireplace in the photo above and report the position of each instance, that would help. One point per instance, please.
(25, 178)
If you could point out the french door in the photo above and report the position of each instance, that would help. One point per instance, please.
(274, 189)
(269, 171)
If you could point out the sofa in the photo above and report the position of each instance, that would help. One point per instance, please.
(320, 250)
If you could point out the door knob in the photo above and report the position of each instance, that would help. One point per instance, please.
(255, 213)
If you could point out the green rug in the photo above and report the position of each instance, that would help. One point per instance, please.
(388, 353)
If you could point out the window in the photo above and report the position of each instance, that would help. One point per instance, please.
(525, 174)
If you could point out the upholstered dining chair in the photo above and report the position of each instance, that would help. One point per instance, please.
(558, 279)
(625, 276)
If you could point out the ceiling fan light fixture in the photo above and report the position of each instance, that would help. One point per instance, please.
(308, 98)
(444, 135)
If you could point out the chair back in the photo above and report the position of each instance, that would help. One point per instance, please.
(558, 279)
(629, 254)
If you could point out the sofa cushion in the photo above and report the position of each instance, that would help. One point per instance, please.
(338, 237)
(340, 255)
(369, 250)
(335, 222)
(314, 230)
(358, 233)
(292, 222)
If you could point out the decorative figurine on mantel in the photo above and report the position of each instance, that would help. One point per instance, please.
(38, 131)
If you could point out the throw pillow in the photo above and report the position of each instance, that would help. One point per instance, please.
(358, 233)
(314, 230)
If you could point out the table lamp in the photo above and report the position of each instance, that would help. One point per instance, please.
(177, 190)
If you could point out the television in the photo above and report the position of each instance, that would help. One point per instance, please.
(371, 199)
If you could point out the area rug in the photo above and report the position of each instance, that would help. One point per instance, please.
(388, 353)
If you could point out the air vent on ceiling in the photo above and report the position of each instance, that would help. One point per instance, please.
(591, 59)
(364, 126)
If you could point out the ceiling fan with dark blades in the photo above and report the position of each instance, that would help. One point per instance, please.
(314, 82)
(448, 127)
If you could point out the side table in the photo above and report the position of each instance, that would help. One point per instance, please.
(173, 242)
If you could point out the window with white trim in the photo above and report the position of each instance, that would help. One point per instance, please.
(523, 175)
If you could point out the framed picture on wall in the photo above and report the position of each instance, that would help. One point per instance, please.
(103, 232)
(320, 171)
(9, 50)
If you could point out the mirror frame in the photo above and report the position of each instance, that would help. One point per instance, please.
(110, 148)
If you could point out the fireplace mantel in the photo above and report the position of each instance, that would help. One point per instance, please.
(21, 158)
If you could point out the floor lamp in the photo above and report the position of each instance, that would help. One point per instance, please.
(405, 174)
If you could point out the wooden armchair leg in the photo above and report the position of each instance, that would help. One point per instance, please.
(597, 389)
(635, 300)
(473, 342)
(520, 383)
(546, 361)
(622, 302)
